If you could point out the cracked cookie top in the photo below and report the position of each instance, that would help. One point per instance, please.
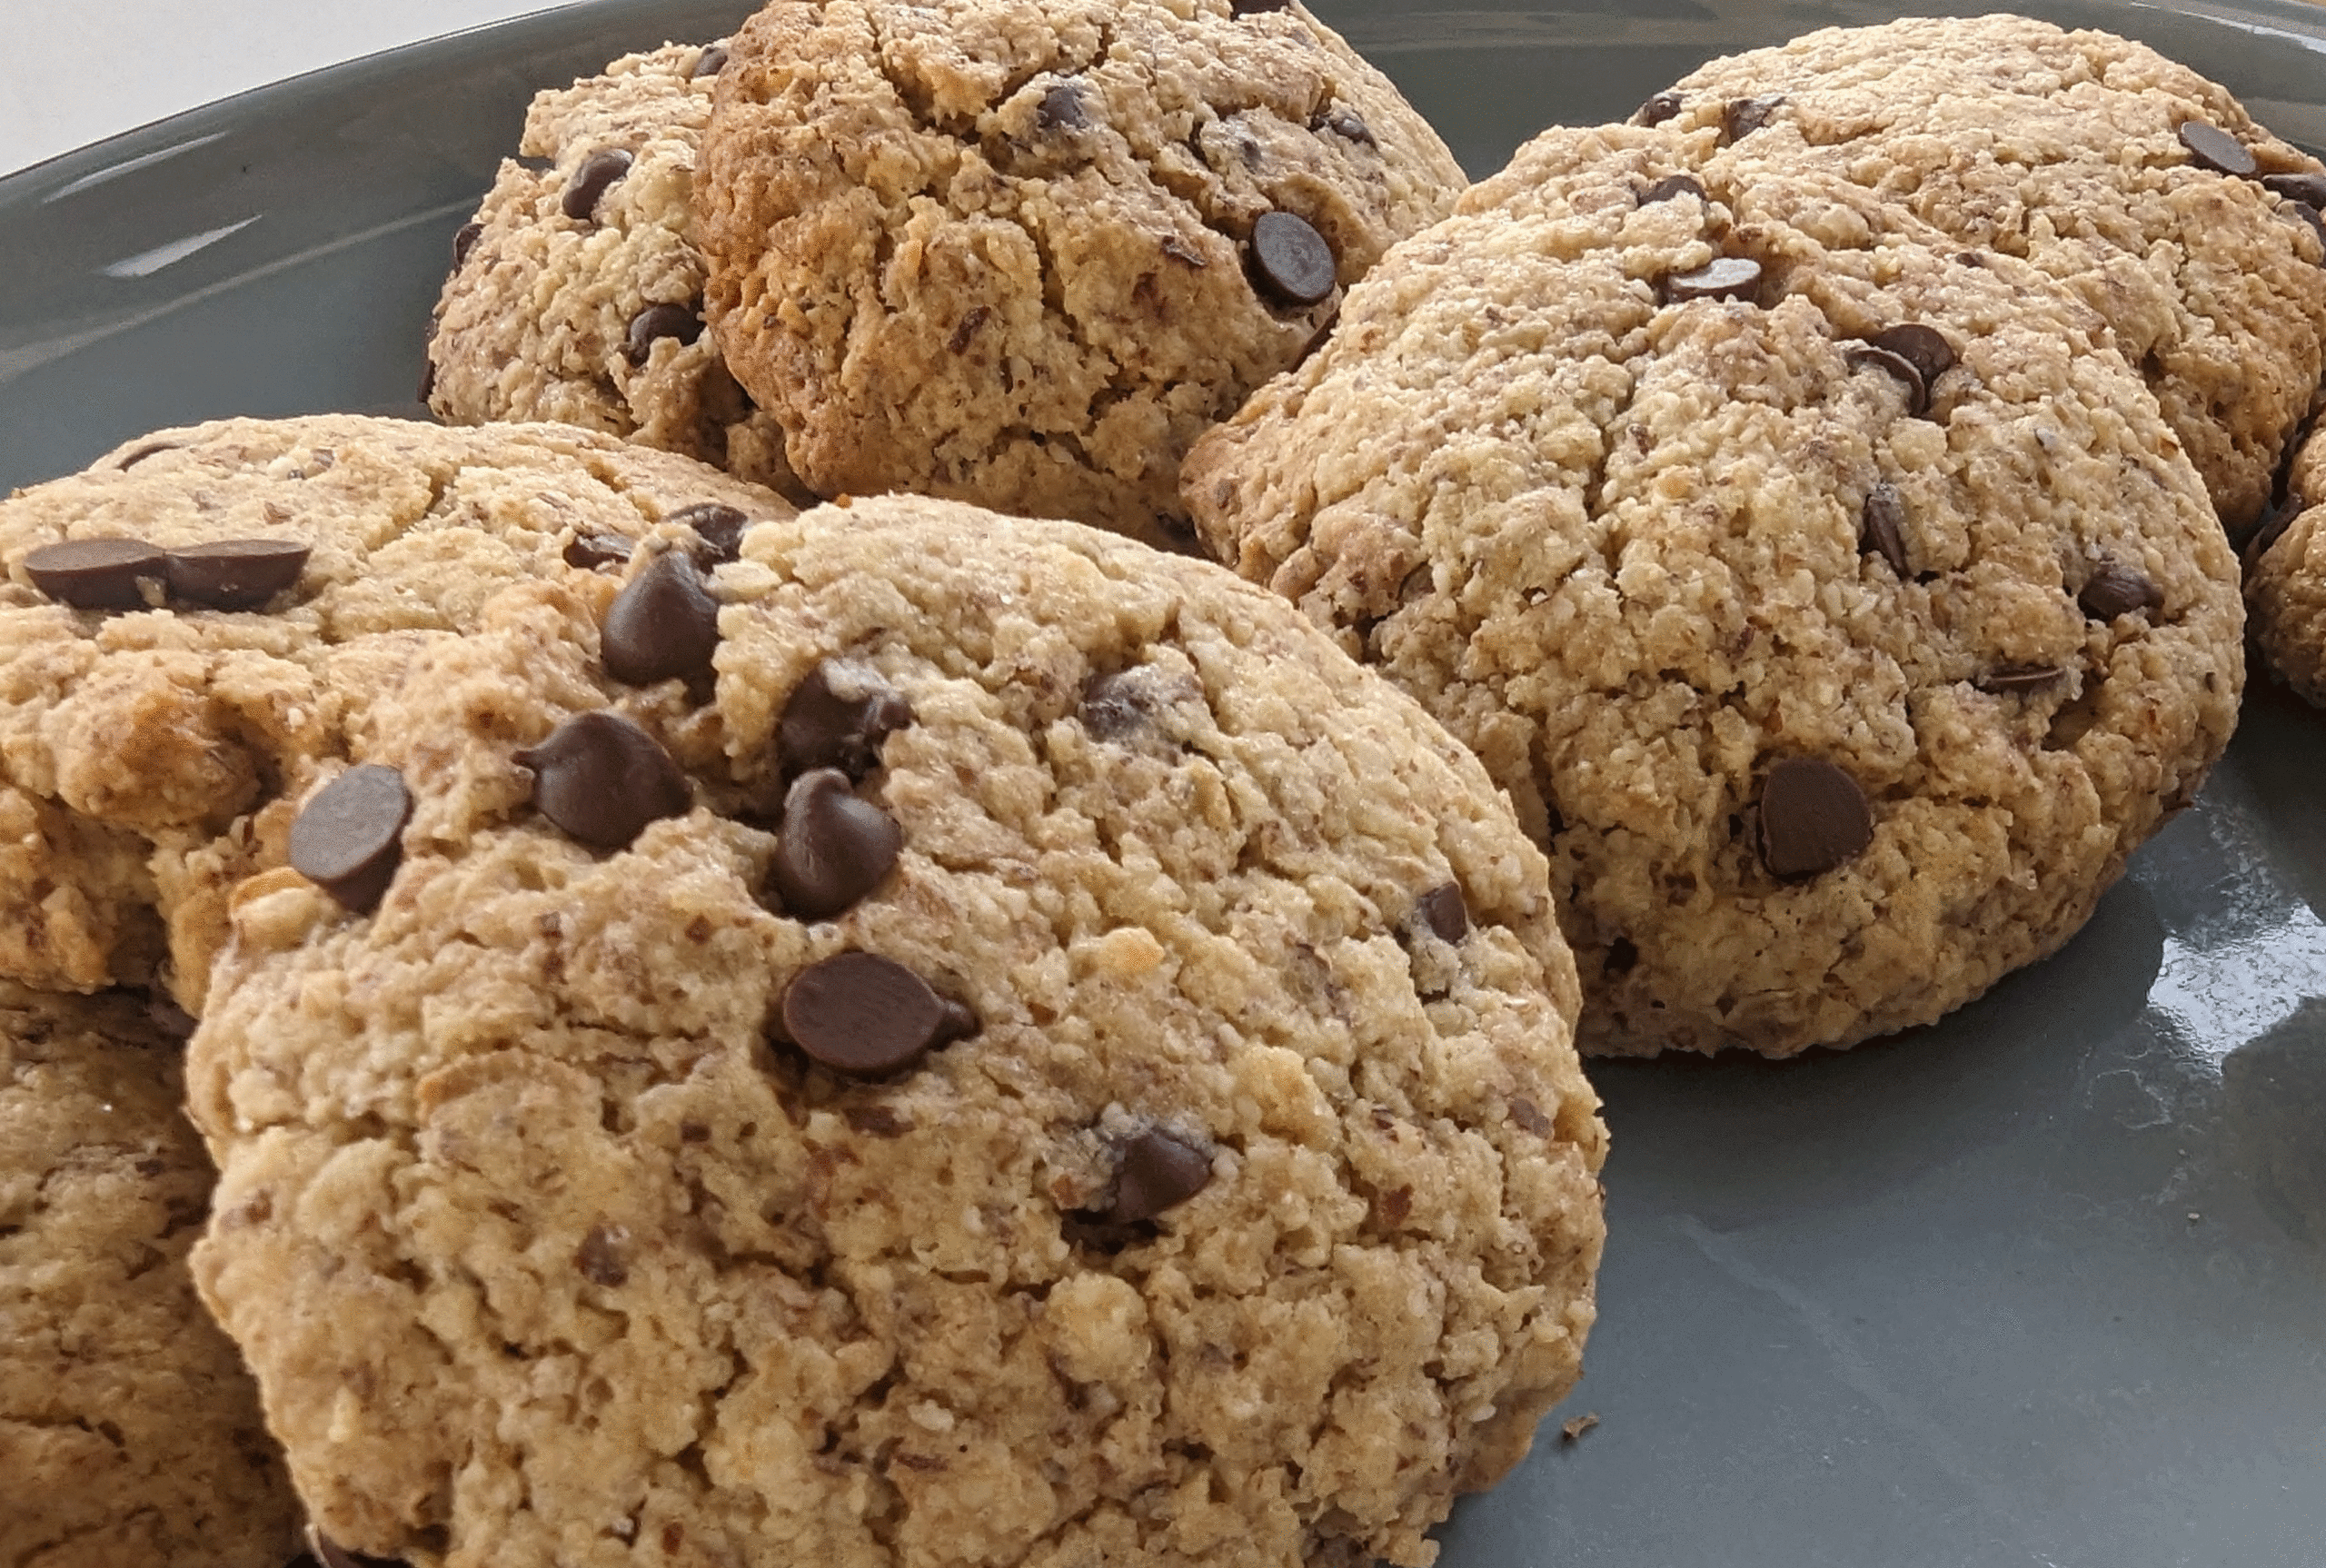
(1832, 601)
(1034, 1058)
(1023, 255)
(163, 699)
(129, 1431)
(2141, 185)
(576, 292)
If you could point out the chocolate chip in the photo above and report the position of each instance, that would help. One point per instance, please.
(591, 550)
(1346, 123)
(2215, 149)
(1257, 7)
(602, 779)
(1116, 704)
(966, 328)
(1722, 278)
(236, 574)
(662, 623)
(1924, 348)
(1290, 260)
(2311, 215)
(1179, 251)
(863, 1015)
(834, 848)
(464, 241)
(141, 453)
(95, 573)
(1528, 1114)
(597, 170)
(1861, 355)
(838, 717)
(1158, 1170)
(1672, 185)
(1882, 527)
(2013, 678)
(1062, 109)
(2113, 591)
(876, 1121)
(602, 1257)
(1743, 117)
(427, 388)
(332, 1554)
(1813, 816)
(657, 322)
(711, 62)
(1658, 109)
(1447, 914)
(2308, 189)
(719, 526)
(349, 839)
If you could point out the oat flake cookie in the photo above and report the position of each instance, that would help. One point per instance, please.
(576, 292)
(2145, 188)
(1079, 1072)
(2285, 583)
(192, 629)
(1836, 608)
(129, 1431)
(1023, 255)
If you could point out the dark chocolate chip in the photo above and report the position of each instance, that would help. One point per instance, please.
(656, 322)
(876, 1121)
(427, 388)
(1114, 705)
(348, 839)
(1257, 7)
(95, 573)
(1859, 355)
(332, 1554)
(1722, 278)
(142, 452)
(2310, 189)
(862, 1015)
(1622, 958)
(1813, 816)
(1672, 185)
(1062, 109)
(1158, 1170)
(2215, 149)
(834, 848)
(1528, 1114)
(591, 551)
(711, 62)
(2013, 678)
(1447, 914)
(2113, 591)
(236, 574)
(597, 170)
(2311, 215)
(1290, 260)
(966, 328)
(1346, 123)
(464, 241)
(838, 717)
(1743, 117)
(603, 1255)
(719, 526)
(1881, 528)
(1924, 348)
(602, 779)
(662, 623)
(1658, 109)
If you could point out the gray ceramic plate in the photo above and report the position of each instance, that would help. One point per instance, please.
(2044, 1284)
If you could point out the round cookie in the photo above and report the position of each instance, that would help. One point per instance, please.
(2285, 580)
(148, 755)
(1836, 607)
(129, 1431)
(2138, 184)
(1023, 255)
(1079, 1072)
(576, 292)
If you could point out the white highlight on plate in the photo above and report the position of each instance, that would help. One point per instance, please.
(130, 166)
(2224, 995)
(145, 263)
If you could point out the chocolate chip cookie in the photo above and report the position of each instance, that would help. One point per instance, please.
(1034, 1057)
(129, 1431)
(576, 292)
(2144, 188)
(1024, 255)
(190, 629)
(1834, 604)
(2285, 582)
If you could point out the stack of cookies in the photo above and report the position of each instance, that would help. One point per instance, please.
(774, 973)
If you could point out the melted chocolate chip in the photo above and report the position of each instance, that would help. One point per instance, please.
(1722, 278)
(1672, 185)
(349, 839)
(864, 1015)
(1743, 117)
(1924, 348)
(1881, 528)
(711, 62)
(591, 552)
(664, 623)
(464, 241)
(1658, 109)
(2012, 679)
(2113, 591)
(236, 574)
(1864, 355)
(1813, 816)
(603, 778)
(1290, 260)
(1158, 1171)
(1447, 914)
(597, 170)
(1062, 109)
(657, 322)
(838, 717)
(2214, 148)
(603, 1257)
(95, 573)
(2308, 189)
(1346, 123)
(719, 526)
(834, 848)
